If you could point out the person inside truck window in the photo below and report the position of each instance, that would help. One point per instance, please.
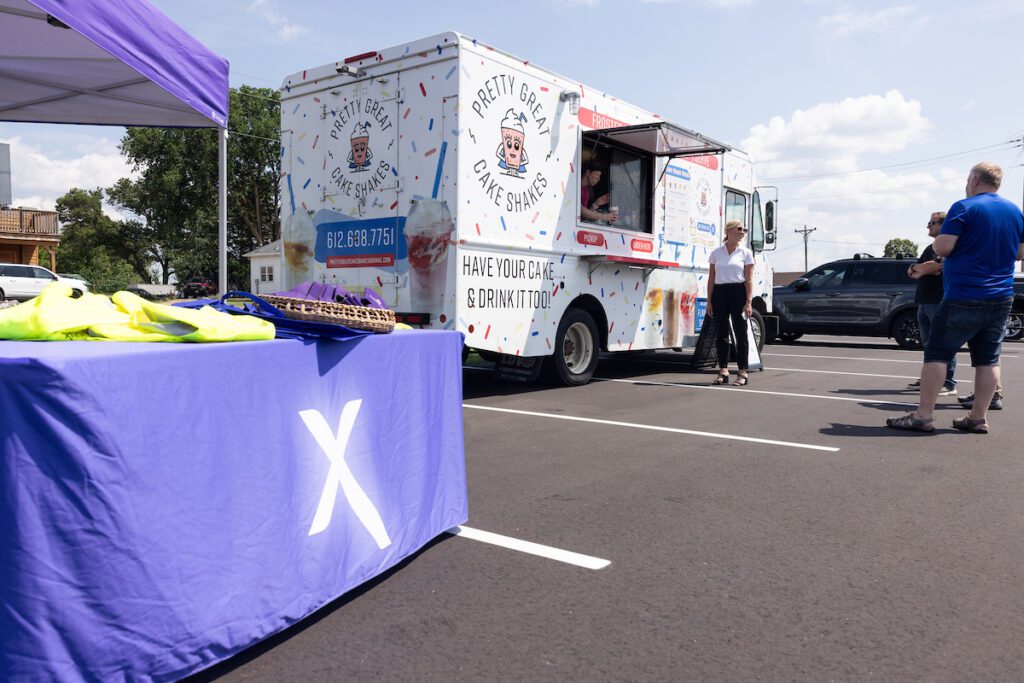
(589, 201)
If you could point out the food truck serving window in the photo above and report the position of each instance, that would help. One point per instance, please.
(626, 158)
(623, 189)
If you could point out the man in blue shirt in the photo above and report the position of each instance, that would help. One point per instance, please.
(980, 240)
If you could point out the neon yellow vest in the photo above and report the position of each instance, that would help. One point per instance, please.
(55, 316)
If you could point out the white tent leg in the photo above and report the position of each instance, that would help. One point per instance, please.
(222, 209)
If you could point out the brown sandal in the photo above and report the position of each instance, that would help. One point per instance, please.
(911, 423)
(742, 380)
(723, 378)
(967, 424)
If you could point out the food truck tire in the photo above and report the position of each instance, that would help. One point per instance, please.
(757, 321)
(577, 347)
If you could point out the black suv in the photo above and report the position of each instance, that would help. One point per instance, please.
(1015, 325)
(859, 296)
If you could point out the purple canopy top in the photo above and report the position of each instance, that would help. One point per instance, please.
(107, 62)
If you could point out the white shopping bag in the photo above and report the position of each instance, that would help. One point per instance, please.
(753, 357)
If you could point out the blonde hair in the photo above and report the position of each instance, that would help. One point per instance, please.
(730, 224)
(988, 174)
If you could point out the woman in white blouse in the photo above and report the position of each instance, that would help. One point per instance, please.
(730, 292)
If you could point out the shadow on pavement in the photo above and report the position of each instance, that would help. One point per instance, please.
(264, 646)
(879, 430)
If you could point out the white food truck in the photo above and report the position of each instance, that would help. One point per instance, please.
(448, 176)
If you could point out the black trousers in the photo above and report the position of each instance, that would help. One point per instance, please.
(727, 304)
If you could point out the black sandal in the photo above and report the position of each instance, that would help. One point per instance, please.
(742, 380)
(969, 424)
(722, 379)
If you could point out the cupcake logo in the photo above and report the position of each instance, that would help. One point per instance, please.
(512, 149)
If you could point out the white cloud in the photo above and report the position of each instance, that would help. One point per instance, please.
(830, 137)
(716, 4)
(37, 180)
(903, 17)
(268, 11)
(860, 213)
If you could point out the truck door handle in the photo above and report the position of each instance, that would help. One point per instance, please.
(831, 294)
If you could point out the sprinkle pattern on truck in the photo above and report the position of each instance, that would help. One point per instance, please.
(446, 175)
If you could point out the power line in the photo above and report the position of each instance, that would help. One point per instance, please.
(255, 137)
(255, 96)
(883, 191)
(1016, 142)
(258, 78)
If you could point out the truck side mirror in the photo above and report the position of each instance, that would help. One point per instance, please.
(801, 284)
(769, 222)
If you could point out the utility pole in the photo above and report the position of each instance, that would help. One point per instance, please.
(805, 232)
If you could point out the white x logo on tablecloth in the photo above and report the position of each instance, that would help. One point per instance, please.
(340, 474)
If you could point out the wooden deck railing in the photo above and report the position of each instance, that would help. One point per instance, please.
(28, 222)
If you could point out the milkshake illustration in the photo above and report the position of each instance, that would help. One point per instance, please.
(428, 230)
(687, 301)
(360, 156)
(299, 236)
(652, 311)
(512, 150)
(670, 314)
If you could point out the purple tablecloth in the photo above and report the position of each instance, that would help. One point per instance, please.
(164, 506)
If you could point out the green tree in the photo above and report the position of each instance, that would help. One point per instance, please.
(899, 246)
(95, 245)
(175, 191)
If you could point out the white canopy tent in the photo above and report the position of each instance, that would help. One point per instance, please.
(112, 62)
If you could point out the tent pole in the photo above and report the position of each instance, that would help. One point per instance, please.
(222, 209)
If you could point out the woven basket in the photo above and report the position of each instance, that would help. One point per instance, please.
(356, 317)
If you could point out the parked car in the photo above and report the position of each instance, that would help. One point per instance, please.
(199, 287)
(860, 296)
(74, 276)
(1015, 324)
(21, 282)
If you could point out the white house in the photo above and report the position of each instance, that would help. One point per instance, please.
(266, 269)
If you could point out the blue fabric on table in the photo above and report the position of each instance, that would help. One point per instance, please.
(284, 328)
(157, 501)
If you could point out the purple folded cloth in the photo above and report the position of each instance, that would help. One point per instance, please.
(318, 291)
(372, 300)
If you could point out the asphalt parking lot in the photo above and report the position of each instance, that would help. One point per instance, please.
(690, 532)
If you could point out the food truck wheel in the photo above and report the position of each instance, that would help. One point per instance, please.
(757, 325)
(576, 349)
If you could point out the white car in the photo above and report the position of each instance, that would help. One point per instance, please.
(21, 282)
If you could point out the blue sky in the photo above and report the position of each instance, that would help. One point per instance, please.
(864, 114)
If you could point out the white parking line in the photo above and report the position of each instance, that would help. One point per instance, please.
(857, 374)
(820, 339)
(748, 390)
(654, 428)
(876, 360)
(585, 561)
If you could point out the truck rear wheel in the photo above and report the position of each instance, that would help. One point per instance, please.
(756, 322)
(576, 350)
